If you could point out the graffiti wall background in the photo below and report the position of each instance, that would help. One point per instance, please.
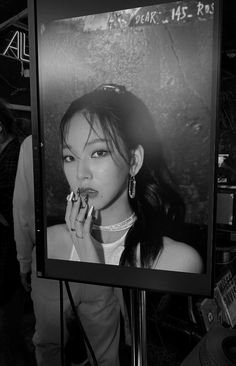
(161, 53)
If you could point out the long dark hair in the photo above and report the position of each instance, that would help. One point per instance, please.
(157, 204)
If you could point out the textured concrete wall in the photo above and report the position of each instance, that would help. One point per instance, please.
(168, 65)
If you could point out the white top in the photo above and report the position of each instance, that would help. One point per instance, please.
(111, 251)
(174, 256)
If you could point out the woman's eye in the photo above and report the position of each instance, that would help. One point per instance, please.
(68, 158)
(99, 154)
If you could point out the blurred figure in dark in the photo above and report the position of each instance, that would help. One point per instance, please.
(11, 291)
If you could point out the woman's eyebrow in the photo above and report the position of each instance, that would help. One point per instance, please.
(70, 148)
(66, 146)
(97, 140)
(90, 142)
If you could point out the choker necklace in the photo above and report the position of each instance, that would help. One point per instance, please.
(120, 226)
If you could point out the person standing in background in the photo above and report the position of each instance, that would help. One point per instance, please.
(98, 306)
(11, 292)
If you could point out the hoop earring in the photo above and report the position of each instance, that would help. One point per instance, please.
(132, 186)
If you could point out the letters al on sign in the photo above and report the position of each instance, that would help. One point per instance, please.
(17, 47)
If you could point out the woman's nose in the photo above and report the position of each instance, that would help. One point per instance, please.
(83, 170)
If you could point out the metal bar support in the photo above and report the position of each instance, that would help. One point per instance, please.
(138, 327)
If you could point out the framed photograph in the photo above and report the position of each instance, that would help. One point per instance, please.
(124, 101)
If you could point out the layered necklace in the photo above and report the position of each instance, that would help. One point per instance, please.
(120, 226)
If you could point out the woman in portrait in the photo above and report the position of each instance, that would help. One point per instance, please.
(123, 200)
(121, 206)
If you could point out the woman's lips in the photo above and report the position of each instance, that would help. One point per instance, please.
(91, 193)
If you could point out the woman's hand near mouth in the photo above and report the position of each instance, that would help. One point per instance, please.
(79, 219)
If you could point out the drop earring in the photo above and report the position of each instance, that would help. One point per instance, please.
(132, 186)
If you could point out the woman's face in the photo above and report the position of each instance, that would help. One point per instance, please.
(92, 168)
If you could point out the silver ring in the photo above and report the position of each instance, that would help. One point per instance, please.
(79, 237)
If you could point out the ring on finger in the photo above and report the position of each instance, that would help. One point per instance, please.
(79, 237)
(72, 229)
(80, 221)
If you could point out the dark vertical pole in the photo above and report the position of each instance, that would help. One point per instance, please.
(62, 322)
(133, 304)
(138, 327)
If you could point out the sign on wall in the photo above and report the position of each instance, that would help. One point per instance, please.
(14, 61)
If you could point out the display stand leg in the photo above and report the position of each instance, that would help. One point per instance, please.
(138, 327)
(62, 322)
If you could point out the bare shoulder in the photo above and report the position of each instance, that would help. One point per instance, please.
(178, 256)
(59, 244)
